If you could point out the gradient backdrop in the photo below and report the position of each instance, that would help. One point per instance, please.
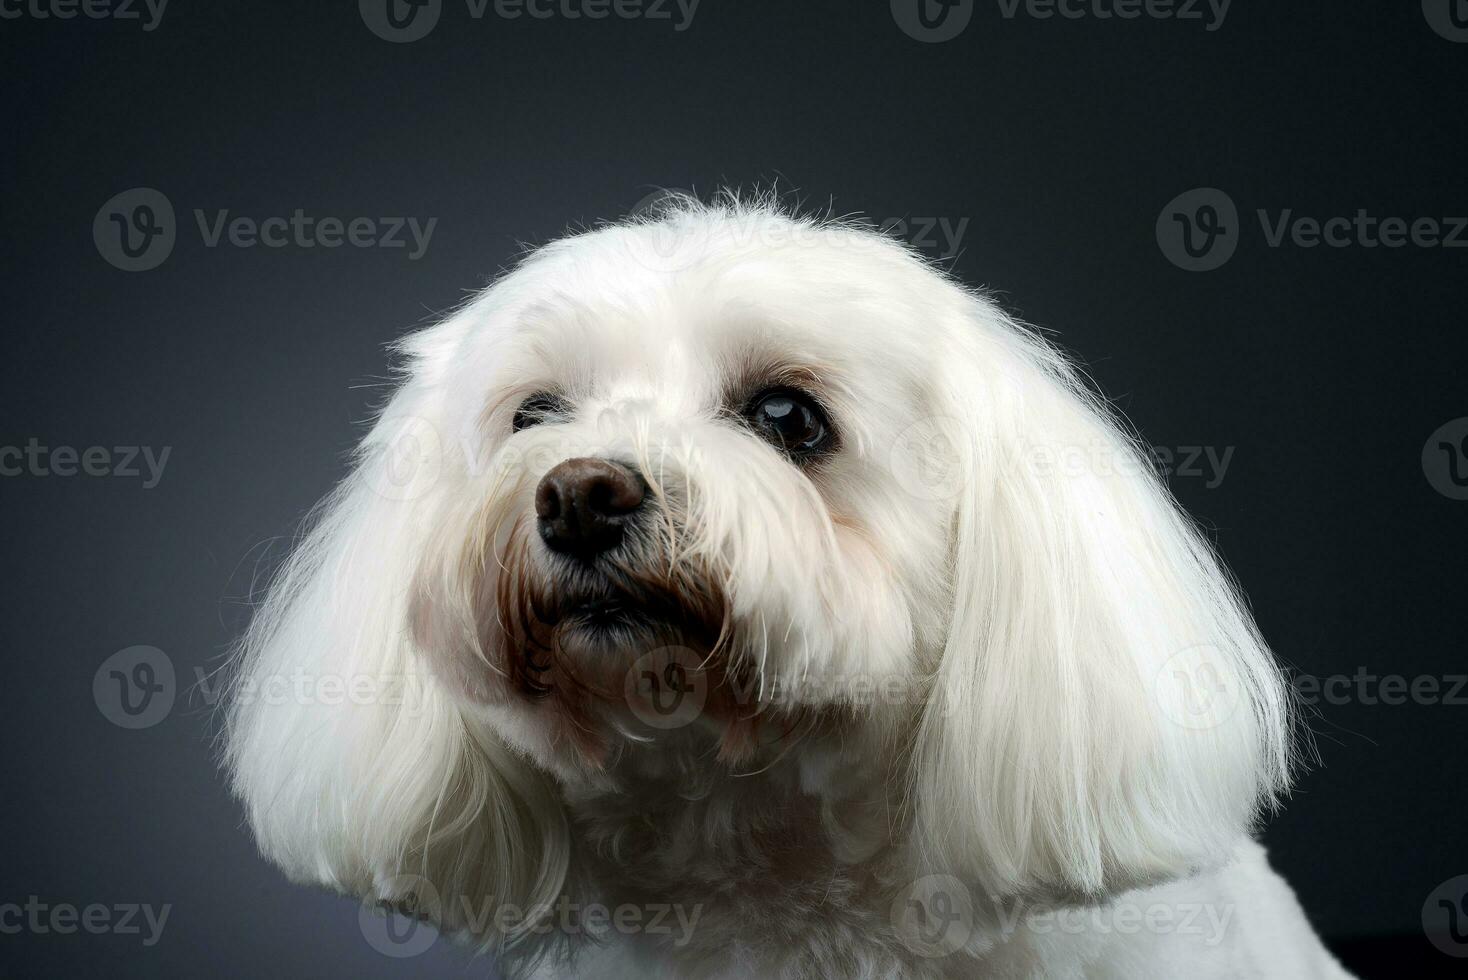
(1105, 174)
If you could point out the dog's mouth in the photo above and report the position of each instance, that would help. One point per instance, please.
(580, 626)
(612, 613)
(607, 617)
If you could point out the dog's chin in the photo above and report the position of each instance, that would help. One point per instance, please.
(574, 637)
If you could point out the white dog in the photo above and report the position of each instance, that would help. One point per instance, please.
(731, 594)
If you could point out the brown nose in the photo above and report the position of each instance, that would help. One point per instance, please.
(583, 504)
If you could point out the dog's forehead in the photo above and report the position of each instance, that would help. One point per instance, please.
(626, 309)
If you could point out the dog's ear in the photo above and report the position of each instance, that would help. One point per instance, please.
(1105, 711)
(357, 768)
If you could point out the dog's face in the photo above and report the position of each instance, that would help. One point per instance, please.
(789, 467)
(717, 477)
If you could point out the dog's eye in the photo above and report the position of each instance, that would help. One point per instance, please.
(792, 421)
(539, 407)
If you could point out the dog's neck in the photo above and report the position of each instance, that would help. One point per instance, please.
(804, 823)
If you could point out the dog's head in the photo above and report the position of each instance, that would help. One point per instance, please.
(788, 467)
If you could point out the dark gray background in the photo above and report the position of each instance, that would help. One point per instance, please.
(1059, 142)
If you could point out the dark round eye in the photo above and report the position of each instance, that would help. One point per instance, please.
(792, 421)
(539, 407)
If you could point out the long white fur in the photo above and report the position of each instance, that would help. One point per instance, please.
(1041, 603)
